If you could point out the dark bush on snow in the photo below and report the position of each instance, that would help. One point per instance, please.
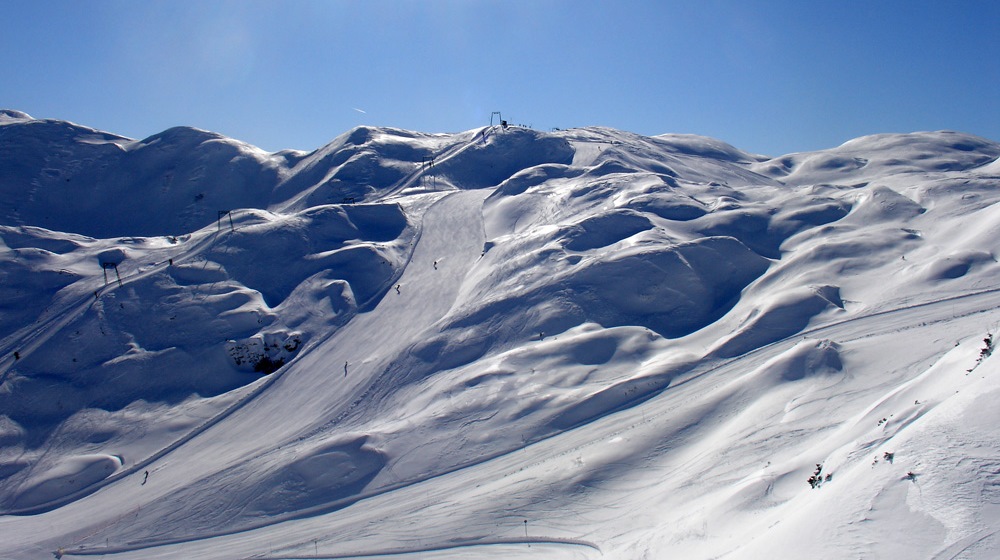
(267, 366)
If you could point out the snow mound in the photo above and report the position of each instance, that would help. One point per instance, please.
(806, 359)
(500, 154)
(780, 318)
(70, 476)
(673, 291)
(704, 146)
(606, 229)
(870, 156)
(38, 238)
(958, 265)
(10, 114)
(325, 475)
(353, 242)
(320, 478)
(992, 168)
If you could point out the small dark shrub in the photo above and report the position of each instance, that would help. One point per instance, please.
(268, 366)
(987, 347)
(984, 352)
(816, 478)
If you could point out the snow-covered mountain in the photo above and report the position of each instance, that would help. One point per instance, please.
(499, 343)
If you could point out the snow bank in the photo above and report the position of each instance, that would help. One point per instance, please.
(69, 476)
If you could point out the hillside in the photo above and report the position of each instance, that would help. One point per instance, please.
(499, 343)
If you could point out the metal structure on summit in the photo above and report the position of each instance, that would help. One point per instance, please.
(501, 123)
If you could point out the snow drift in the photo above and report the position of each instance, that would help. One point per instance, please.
(502, 342)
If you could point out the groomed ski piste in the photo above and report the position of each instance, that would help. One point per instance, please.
(502, 343)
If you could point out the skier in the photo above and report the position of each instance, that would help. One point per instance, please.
(345, 369)
(145, 478)
(397, 288)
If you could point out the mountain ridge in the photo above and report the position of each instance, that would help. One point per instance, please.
(502, 336)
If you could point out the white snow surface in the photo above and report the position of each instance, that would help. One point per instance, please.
(502, 343)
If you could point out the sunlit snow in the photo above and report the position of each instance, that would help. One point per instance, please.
(501, 343)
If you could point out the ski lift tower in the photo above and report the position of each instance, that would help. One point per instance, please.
(427, 166)
(111, 265)
(218, 221)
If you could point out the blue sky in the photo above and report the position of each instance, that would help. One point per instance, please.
(766, 76)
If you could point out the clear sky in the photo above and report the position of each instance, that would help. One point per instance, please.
(770, 77)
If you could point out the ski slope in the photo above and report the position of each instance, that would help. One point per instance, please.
(499, 343)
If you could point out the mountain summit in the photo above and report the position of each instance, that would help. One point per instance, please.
(583, 343)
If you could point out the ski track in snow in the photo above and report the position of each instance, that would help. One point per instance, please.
(395, 552)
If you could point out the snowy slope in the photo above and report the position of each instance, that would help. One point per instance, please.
(499, 343)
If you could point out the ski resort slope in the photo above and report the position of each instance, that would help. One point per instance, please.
(501, 343)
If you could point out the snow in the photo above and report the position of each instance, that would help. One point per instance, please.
(496, 343)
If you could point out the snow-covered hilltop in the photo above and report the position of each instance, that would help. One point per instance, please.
(499, 343)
